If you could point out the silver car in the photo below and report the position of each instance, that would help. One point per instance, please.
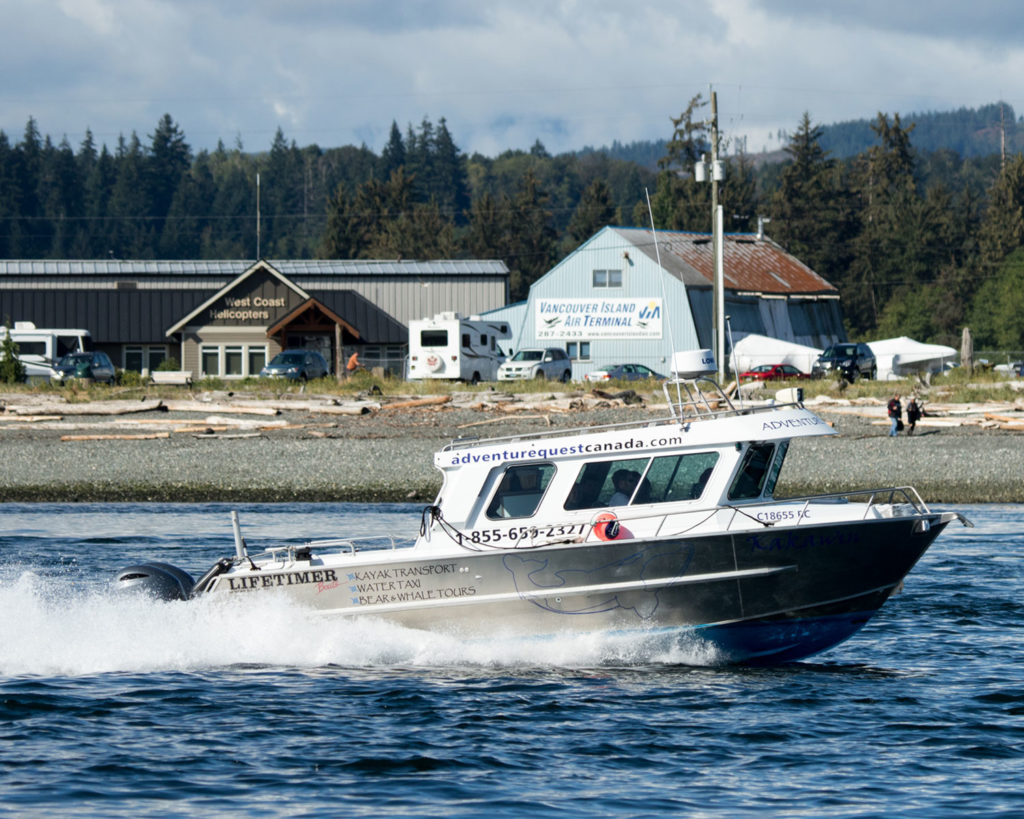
(550, 363)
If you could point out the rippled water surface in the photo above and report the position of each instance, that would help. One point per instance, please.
(125, 707)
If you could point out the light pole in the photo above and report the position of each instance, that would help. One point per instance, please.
(700, 174)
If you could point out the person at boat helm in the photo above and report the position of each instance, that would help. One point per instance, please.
(625, 481)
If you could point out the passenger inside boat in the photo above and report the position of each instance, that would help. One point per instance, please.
(625, 481)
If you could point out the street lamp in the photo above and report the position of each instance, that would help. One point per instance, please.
(700, 174)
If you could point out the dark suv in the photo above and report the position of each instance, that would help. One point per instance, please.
(851, 361)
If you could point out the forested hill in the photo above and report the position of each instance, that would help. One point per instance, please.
(920, 235)
(970, 132)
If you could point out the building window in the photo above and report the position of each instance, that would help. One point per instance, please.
(232, 361)
(607, 278)
(141, 357)
(257, 359)
(578, 350)
(210, 357)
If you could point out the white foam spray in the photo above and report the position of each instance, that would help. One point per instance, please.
(48, 627)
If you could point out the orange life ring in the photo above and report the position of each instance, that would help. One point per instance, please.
(606, 526)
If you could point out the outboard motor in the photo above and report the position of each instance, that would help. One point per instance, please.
(161, 581)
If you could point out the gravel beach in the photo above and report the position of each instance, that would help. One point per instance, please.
(388, 456)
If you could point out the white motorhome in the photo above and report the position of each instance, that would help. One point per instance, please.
(39, 348)
(452, 346)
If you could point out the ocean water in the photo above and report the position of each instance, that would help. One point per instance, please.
(118, 707)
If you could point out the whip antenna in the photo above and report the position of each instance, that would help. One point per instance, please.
(661, 278)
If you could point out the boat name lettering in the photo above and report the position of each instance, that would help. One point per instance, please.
(783, 514)
(265, 581)
(401, 571)
(793, 422)
(522, 532)
(794, 541)
(445, 593)
(572, 449)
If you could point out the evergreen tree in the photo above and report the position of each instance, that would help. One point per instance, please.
(231, 232)
(8, 200)
(421, 232)
(1002, 229)
(420, 153)
(451, 184)
(532, 244)
(31, 238)
(810, 210)
(890, 226)
(187, 224)
(679, 202)
(98, 188)
(169, 160)
(393, 156)
(488, 233)
(11, 369)
(997, 313)
(594, 211)
(131, 232)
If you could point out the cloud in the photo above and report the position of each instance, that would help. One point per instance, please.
(503, 73)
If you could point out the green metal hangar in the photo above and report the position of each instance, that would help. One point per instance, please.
(227, 318)
(620, 299)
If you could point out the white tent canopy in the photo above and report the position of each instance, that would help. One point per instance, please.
(900, 357)
(753, 349)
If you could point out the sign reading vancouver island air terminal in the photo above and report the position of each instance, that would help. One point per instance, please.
(559, 319)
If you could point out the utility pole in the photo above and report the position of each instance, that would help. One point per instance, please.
(718, 323)
(717, 242)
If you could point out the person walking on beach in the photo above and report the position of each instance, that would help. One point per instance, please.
(914, 412)
(895, 410)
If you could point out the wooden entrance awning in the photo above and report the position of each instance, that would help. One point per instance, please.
(311, 316)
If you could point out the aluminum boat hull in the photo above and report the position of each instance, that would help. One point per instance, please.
(769, 595)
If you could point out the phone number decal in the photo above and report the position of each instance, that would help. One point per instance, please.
(518, 533)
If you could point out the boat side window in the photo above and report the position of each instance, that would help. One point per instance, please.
(749, 482)
(641, 480)
(680, 477)
(519, 491)
(608, 483)
(773, 474)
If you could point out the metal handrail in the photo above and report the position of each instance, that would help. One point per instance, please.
(705, 405)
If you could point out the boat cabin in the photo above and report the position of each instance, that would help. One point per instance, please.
(649, 478)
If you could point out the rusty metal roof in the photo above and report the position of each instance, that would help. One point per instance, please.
(750, 264)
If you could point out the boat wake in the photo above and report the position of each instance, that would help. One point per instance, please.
(52, 627)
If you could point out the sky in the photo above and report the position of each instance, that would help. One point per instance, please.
(502, 73)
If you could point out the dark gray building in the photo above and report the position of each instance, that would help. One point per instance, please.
(226, 318)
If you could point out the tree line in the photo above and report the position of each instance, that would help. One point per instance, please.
(918, 243)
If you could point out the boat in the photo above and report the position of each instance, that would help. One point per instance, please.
(653, 529)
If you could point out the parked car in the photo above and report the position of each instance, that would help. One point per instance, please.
(624, 372)
(300, 365)
(551, 363)
(851, 360)
(773, 372)
(94, 365)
